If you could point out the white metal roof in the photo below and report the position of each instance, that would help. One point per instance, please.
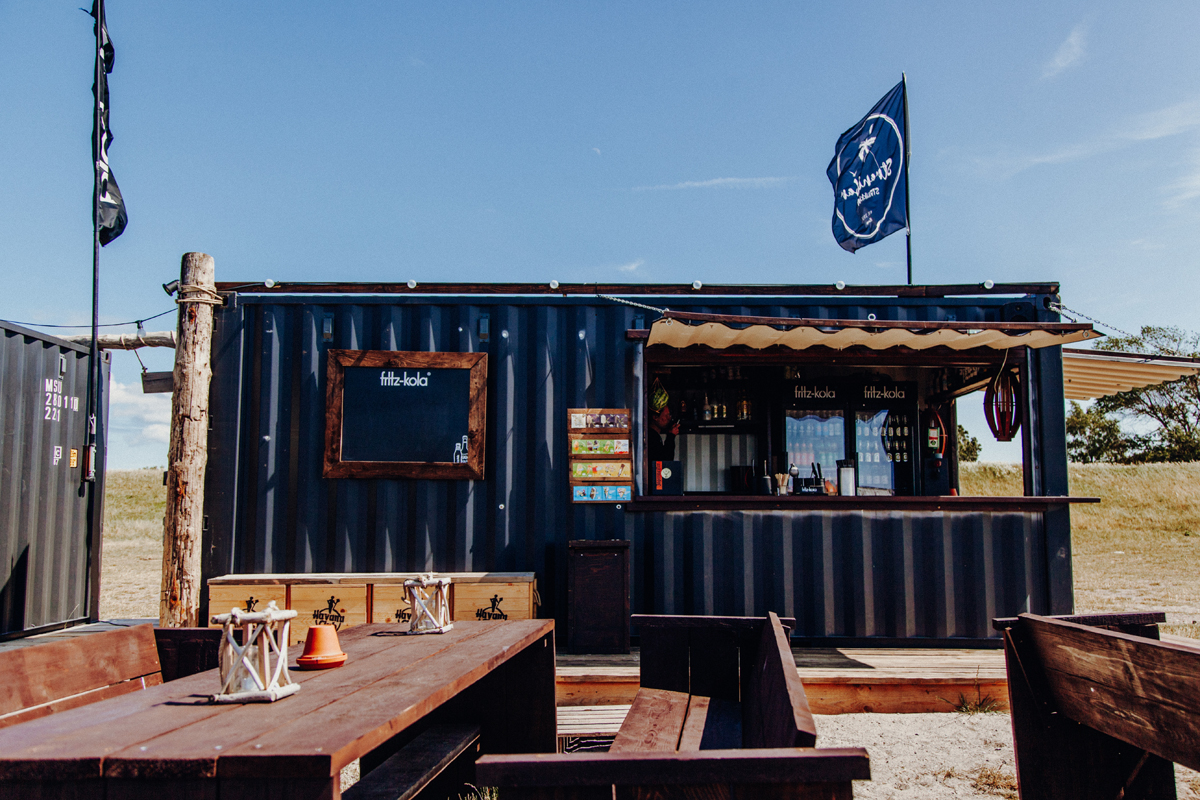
(1088, 374)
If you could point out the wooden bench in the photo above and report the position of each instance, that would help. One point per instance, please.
(438, 762)
(721, 713)
(45, 678)
(1100, 713)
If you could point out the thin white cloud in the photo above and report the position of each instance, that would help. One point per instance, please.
(1159, 124)
(1169, 121)
(632, 265)
(717, 183)
(147, 414)
(1069, 53)
(1187, 186)
(596, 150)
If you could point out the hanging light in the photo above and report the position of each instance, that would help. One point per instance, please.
(1001, 407)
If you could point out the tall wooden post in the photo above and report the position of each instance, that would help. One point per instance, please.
(187, 458)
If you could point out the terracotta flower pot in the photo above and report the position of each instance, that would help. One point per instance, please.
(321, 649)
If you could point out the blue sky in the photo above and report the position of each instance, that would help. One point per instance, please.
(584, 142)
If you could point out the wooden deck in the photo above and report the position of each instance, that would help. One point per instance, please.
(837, 681)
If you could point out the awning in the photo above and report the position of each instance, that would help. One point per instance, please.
(684, 329)
(1088, 374)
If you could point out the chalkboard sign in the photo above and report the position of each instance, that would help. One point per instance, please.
(405, 415)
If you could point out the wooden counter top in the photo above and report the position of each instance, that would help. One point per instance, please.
(716, 502)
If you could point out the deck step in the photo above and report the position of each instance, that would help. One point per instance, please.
(836, 680)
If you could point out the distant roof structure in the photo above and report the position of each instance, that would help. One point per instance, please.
(1088, 374)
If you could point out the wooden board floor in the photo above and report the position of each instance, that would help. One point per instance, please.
(836, 680)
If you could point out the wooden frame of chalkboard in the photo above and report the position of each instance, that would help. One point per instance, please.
(355, 447)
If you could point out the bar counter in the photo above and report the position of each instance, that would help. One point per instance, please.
(717, 502)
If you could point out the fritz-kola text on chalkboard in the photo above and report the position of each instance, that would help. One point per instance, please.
(405, 414)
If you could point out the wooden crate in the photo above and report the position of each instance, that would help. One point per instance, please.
(247, 597)
(390, 603)
(485, 600)
(373, 596)
(339, 604)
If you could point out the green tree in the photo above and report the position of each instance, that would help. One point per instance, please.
(1094, 436)
(1173, 407)
(968, 446)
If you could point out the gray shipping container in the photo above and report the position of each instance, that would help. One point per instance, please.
(49, 556)
(886, 575)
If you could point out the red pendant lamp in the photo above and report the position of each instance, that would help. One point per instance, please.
(1002, 407)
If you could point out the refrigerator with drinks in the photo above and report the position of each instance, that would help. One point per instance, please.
(885, 439)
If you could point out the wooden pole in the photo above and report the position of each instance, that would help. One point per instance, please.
(187, 458)
(127, 341)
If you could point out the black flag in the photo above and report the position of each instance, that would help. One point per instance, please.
(108, 205)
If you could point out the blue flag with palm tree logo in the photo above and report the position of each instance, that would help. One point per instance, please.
(869, 173)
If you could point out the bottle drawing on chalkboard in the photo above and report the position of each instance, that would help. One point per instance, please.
(460, 452)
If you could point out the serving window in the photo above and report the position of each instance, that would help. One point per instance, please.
(806, 425)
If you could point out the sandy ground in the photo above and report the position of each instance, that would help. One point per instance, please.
(940, 755)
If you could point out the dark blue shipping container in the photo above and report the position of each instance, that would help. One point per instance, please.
(49, 556)
(924, 574)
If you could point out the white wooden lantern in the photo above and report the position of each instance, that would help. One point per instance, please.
(255, 671)
(429, 599)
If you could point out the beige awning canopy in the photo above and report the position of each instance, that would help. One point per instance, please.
(719, 331)
(1088, 374)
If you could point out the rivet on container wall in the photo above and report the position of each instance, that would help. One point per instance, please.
(412, 284)
(270, 284)
(988, 284)
(840, 285)
(553, 284)
(503, 334)
(696, 285)
(502, 506)
(582, 335)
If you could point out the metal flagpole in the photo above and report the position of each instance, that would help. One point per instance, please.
(94, 351)
(907, 180)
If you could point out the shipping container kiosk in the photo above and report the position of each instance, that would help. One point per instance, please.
(374, 428)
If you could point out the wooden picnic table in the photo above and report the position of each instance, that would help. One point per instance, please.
(170, 743)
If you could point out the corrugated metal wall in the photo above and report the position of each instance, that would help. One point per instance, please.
(47, 569)
(841, 574)
(707, 458)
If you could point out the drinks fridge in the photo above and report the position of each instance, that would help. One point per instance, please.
(885, 440)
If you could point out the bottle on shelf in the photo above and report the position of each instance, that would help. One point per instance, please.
(707, 410)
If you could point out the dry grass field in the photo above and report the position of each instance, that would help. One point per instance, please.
(1138, 549)
(131, 566)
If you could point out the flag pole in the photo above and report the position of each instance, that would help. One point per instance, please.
(89, 474)
(907, 180)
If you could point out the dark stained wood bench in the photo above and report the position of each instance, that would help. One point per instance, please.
(1100, 713)
(721, 712)
(438, 762)
(42, 679)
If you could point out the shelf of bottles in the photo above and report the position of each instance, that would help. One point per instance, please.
(815, 437)
(883, 440)
(718, 398)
